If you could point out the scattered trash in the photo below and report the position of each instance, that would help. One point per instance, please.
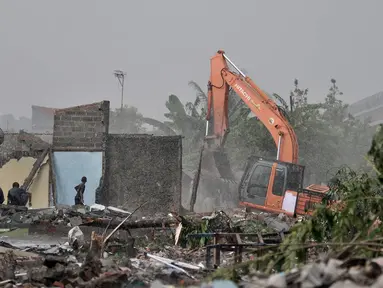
(76, 237)
(97, 207)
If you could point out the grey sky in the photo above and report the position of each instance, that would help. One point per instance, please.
(63, 53)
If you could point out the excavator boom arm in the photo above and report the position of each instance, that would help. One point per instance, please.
(221, 79)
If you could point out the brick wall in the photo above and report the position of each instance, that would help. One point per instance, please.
(81, 128)
(143, 168)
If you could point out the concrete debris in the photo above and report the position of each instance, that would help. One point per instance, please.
(333, 273)
(76, 237)
(140, 257)
(79, 270)
(97, 207)
(147, 255)
(100, 216)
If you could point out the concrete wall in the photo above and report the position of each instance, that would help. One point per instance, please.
(17, 170)
(143, 168)
(69, 167)
(81, 128)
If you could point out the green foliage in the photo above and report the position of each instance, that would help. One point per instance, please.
(192, 227)
(217, 222)
(346, 228)
(328, 139)
(350, 222)
(376, 152)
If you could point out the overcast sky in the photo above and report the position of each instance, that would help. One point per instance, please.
(63, 53)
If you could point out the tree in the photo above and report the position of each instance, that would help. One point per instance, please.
(327, 138)
(126, 121)
(298, 97)
(317, 146)
(187, 121)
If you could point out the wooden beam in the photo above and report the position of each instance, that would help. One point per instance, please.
(52, 176)
(35, 168)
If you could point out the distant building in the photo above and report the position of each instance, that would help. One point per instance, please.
(9, 123)
(368, 109)
(42, 119)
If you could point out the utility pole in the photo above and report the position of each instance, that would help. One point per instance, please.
(120, 75)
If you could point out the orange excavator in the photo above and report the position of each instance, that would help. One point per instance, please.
(274, 186)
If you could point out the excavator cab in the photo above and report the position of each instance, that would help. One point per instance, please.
(277, 187)
(271, 185)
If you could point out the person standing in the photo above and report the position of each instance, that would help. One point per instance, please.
(80, 189)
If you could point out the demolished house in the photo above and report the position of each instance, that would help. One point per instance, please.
(115, 165)
(20, 154)
(136, 235)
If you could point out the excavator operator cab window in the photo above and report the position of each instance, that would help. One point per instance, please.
(279, 181)
(259, 182)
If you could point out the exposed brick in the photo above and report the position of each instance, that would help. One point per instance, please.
(93, 113)
(80, 127)
(65, 118)
(69, 112)
(76, 118)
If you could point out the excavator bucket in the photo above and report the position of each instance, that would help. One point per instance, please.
(223, 165)
(213, 165)
(213, 170)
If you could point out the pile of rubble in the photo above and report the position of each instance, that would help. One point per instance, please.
(169, 266)
(332, 273)
(71, 216)
(80, 268)
(99, 262)
(175, 255)
(101, 217)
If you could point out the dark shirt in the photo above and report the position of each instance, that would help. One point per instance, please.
(16, 197)
(80, 189)
(1, 196)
